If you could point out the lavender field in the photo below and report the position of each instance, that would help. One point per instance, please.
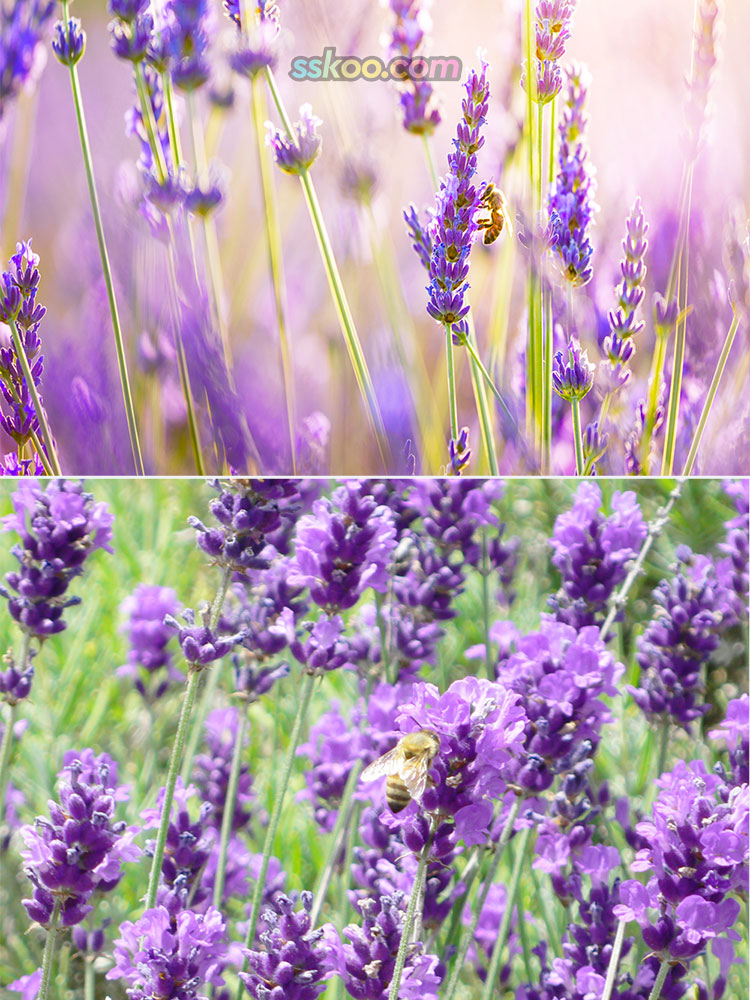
(215, 260)
(201, 678)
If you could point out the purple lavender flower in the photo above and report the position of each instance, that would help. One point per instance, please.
(480, 725)
(247, 511)
(552, 30)
(69, 41)
(594, 446)
(293, 960)
(591, 551)
(189, 845)
(16, 679)
(179, 958)
(405, 43)
(697, 855)
(459, 452)
(733, 569)
(572, 376)
(368, 961)
(188, 42)
(481, 946)
(571, 203)
(149, 637)
(59, 528)
(560, 675)
(80, 849)
(623, 321)
(343, 548)
(458, 202)
(201, 645)
(22, 30)
(323, 645)
(18, 304)
(691, 611)
(27, 986)
(735, 731)
(296, 154)
(211, 770)
(255, 50)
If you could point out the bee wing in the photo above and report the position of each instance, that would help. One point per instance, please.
(414, 773)
(389, 763)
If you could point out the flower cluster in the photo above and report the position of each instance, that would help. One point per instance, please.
(691, 611)
(188, 41)
(736, 564)
(293, 960)
(149, 636)
(183, 954)
(295, 154)
(572, 376)
(80, 849)
(571, 198)
(697, 855)
(735, 730)
(21, 311)
(343, 548)
(458, 202)
(591, 551)
(15, 680)
(248, 510)
(407, 35)
(59, 527)
(201, 644)
(559, 674)
(370, 956)
(22, 29)
(553, 22)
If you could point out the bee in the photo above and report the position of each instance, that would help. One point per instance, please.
(493, 201)
(406, 767)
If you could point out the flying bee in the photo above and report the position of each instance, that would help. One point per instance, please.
(406, 767)
(493, 201)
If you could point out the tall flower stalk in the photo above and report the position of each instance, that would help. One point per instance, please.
(69, 45)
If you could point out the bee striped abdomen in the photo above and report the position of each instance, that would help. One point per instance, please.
(396, 793)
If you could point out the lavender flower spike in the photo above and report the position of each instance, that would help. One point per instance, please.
(295, 155)
(405, 43)
(571, 204)
(572, 377)
(22, 28)
(552, 30)
(457, 205)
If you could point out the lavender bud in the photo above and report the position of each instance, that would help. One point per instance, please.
(69, 42)
(295, 155)
(573, 377)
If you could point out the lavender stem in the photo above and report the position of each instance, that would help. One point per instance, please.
(450, 367)
(40, 414)
(5, 750)
(409, 919)
(229, 803)
(614, 960)
(174, 766)
(660, 979)
(273, 825)
(575, 406)
(502, 934)
(275, 258)
(467, 935)
(49, 951)
(713, 389)
(104, 255)
(343, 819)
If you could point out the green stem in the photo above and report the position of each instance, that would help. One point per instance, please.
(89, 978)
(409, 919)
(483, 413)
(5, 750)
(575, 406)
(193, 427)
(502, 934)
(430, 161)
(489, 665)
(88, 163)
(149, 122)
(174, 135)
(679, 345)
(346, 321)
(275, 258)
(346, 808)
(477, 361)
(467, 935)
(281, 786)
(660, 980)
(209, 688)
(229, 804)
(614, 960)
(655, 527)
(451, 369)
(31, 385)
(174, 767)
(661, 761)
(49, 951)
(713, 389)
(654, 389)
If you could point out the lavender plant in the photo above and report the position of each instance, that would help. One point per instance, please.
(353, 622)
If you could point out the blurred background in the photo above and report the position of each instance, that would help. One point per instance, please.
(638, 56)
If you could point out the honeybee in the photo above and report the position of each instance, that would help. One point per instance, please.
(493, 200)
(406, 767)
